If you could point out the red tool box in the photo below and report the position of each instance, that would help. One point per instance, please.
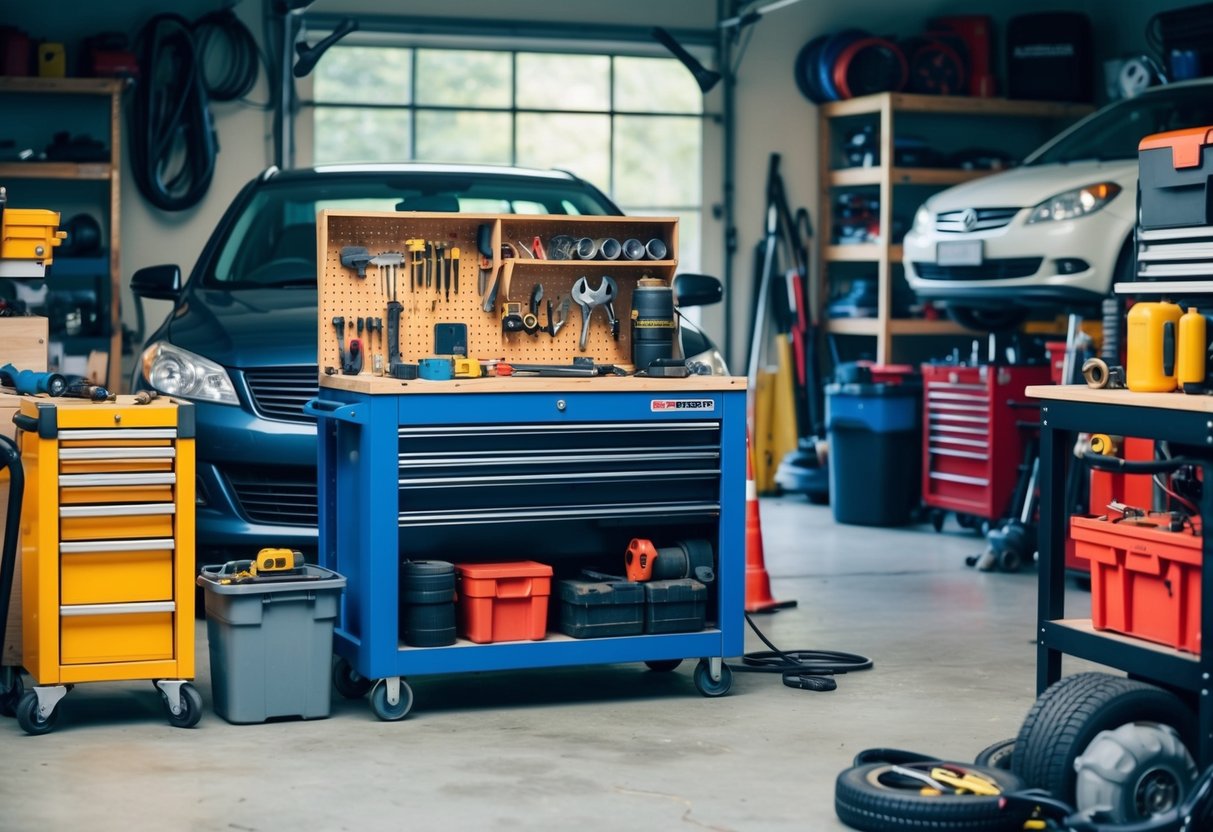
(977, 421)
(1145, 581)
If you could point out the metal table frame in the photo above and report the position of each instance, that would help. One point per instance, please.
(1190, 433)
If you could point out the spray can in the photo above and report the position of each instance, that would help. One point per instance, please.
(652, 322)
(1190, 361)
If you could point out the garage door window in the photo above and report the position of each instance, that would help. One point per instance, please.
(630, 125)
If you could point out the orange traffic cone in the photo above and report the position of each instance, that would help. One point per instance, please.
(757, 581)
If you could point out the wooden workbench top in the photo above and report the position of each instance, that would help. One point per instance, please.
(534, 384)
(1082, 394)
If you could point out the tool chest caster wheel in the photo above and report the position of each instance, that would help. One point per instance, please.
(11, 695)
(349, 682)
(189, 707)
(30, 717)
(663, 665)
(386, 710)
(709, 686)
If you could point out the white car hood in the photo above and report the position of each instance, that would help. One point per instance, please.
(1028, 186)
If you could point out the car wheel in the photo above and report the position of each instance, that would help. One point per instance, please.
(987, 320)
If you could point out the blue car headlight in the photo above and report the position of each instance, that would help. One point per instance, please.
(178, 372)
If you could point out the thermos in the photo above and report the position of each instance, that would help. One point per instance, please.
(652, 322)
(1152, 347)
(1190, 362)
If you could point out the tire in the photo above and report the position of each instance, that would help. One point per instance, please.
(387, 712)
(28, 718)
(663, 665)
(11, 697)
(349, 683)
(872, 798)
(1067, 717)
(999, 755)
(987, 320)
(191, 708)
(710, 687)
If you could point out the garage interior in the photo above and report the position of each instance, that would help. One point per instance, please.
(871, 498)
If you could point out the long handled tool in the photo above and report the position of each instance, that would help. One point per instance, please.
(10, 458)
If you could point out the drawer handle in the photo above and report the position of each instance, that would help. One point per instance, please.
(959, 478)
(150, 544)
(519, 480)
(523, 514)
(118, 510)
(86, 480)
(119, 433)
(934, 451)
(69, 611)
(118, 454)
(595, 428)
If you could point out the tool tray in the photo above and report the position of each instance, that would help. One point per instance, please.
(342, 293)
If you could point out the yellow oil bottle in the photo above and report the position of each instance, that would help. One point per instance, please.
(1151, 347)
(1190, 361)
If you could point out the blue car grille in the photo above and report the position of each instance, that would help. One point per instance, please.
(280, 392)
(278, 496)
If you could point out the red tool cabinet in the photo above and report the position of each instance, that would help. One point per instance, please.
(976, 421)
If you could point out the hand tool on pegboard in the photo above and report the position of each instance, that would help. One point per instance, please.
(588, 298)
(415, 247)
(356, 258)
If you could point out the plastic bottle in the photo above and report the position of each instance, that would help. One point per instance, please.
(1190, 360)
(1151, 347)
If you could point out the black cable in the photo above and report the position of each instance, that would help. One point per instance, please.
(173, 144)
(10, 458)
(804, 669)
(226, 49)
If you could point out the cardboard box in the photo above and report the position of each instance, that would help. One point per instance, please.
(25, 341)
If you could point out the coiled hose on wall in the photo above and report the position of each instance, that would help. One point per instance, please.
(173, 142)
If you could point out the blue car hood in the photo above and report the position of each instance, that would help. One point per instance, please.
(248, 327)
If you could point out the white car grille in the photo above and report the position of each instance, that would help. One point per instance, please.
(973, 219)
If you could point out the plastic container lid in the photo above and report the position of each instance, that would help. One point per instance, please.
(323, 579)
(511, 569)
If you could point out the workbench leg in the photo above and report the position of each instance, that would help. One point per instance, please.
(1051, 598)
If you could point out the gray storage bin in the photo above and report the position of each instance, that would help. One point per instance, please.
(271, 645)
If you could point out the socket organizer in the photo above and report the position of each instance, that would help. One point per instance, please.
(397, 274)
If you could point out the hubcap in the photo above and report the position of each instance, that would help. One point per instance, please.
(1157, 791)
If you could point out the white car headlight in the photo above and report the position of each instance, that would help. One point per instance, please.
(178, 372)
(1079, 202)
(922, 220)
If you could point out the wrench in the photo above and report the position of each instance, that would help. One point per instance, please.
(588, 298)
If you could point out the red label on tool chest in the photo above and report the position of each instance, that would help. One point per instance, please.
(661, 405)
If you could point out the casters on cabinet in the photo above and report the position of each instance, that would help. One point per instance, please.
(713, 677)
(11, 688)
(391, 699)
(37, 710)
(182, 702)
(348, 682)
(937, 518)
(663, 665)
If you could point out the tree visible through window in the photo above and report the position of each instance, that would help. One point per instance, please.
(630, 125)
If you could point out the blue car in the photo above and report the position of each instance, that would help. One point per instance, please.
(240, 341)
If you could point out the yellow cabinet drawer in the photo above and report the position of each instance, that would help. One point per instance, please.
(100, 633)
(104, 572)
(110, 522)
(81, 495)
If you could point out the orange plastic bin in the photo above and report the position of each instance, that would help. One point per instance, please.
(1145, 581)
(503, 601)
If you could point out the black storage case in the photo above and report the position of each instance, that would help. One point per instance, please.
(593, 609)
(678, 606)
(1049, 57)
(427, 603)
(1177, 197)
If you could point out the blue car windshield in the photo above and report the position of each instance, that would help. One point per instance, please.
(1115, 131)
(272, 241)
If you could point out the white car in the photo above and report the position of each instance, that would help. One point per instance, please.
(1056, 232)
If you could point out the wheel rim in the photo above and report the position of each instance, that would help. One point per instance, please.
(1157, 791)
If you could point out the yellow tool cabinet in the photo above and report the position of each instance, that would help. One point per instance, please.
(107, 550)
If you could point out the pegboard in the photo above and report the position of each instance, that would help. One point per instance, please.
(342, 293)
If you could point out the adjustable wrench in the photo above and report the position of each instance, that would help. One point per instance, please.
(588, 298)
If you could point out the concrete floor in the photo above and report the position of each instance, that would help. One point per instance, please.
(607, 748)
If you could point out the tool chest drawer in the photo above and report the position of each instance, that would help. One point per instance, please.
(977, 420)
(494, 472)
(110, 561)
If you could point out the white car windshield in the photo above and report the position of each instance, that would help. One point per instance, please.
(1115, 131)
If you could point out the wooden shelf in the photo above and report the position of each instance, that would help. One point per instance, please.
(860, 177)
(588, 265)
(921, 326)
(852, 326)
(962, 105)
(95, 171)
(861, 253)
(63, 86)
(854, 177)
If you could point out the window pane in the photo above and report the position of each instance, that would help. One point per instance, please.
(351, 134)
(454, 77)
(657, 160)
(364, 75)
(650, 85)
(462, 136)
(577, 143)
(563, 82)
